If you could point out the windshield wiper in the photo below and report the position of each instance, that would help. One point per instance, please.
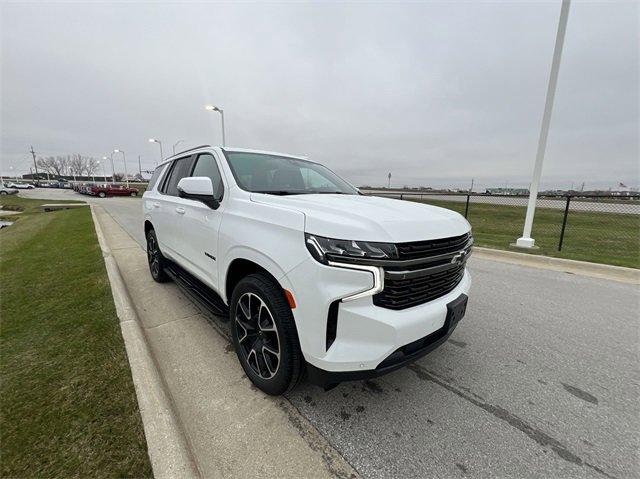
(279, 192)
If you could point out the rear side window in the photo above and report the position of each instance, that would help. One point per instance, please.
(179, 170)
(206, 166)
(154, 177)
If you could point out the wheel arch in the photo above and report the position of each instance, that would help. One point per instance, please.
(238, 269)
(148, 226)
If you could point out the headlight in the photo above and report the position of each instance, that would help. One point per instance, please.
(323, 249)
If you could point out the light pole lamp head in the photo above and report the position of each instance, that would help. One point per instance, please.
(117, 151)
(212, 108)
(154, 140)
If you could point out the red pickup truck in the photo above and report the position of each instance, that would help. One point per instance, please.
(111, 190)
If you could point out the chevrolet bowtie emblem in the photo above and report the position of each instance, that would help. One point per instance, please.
(458, 258)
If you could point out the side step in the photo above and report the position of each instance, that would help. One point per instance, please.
(198, 291)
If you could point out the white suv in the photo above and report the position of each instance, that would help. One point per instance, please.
(317, 277)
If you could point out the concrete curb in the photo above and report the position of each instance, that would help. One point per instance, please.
(584, 268)
(167, 447)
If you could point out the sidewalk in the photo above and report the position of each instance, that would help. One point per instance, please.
(231, 429)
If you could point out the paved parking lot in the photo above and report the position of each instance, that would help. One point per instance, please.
(541, 379)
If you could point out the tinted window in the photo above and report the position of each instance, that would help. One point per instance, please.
(155, 176)
(179, 170)
(283, 175)
(206, 166)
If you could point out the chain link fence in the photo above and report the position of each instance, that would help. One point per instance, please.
(601, 229)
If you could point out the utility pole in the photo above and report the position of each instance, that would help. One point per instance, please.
(33, 153)
(139, 167)
(389, 182)
(471, 189)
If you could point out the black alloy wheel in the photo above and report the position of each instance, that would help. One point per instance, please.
(264, 334)
(155, 259)
(258, 335)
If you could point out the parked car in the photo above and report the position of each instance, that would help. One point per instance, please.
(21, 186)
(6, 190)
(317, 277)
(112, 190)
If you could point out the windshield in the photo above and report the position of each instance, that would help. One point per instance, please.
(280, 175)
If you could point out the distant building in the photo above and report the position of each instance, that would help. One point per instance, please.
(507, 191)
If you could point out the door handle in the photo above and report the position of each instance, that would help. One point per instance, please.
(180, 210)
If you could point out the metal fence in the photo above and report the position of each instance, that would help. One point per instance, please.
(603, 228)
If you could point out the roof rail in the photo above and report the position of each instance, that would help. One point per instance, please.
(185, 151)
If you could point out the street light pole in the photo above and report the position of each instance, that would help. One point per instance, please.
(155, 140)
(124, 159)
(104, 159)
(176, 144)
(104, 172)
(221, 111)
(526, 241)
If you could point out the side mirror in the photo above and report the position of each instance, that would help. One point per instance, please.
(198, 188)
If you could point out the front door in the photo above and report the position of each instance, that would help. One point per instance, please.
(203, 223)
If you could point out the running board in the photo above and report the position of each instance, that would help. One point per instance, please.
(198, 291)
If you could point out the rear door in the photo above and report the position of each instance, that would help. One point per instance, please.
(203, 223)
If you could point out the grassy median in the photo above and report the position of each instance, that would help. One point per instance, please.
(68, 403)
(608, 238)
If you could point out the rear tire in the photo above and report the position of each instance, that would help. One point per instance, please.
(102, 194)
(264, 334)
(156, 261)
(133, 193)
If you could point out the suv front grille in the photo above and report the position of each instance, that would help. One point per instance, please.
(405, 293)
(407, 285)
(425, 249)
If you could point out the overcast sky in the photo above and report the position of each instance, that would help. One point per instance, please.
(436, 93)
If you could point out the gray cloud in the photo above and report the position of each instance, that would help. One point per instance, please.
(436, 93)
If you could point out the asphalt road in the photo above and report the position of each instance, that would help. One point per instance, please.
(541, 379)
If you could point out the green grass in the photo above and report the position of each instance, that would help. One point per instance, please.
(68, 405)
(597, 237)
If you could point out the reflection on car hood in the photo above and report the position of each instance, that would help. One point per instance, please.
(370, 218)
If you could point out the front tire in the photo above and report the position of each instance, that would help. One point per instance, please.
(264, 334)
(133, 193)
(102, 194)
(156, 261)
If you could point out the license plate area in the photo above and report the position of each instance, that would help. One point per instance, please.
(456, 310)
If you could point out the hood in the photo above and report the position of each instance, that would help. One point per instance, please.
(370, 218)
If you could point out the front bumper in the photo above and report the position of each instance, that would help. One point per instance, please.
(366, 334)
(398, 359)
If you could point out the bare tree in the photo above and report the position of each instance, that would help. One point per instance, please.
(91, 166)
(56, 166)
(76, 164)
(117, 176)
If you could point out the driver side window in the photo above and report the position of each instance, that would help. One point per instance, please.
(206, 166)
